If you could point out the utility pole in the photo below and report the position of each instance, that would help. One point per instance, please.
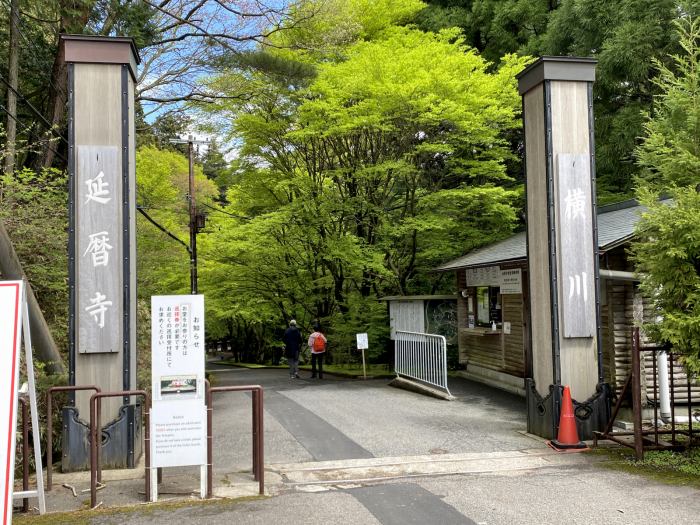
(12, 73)
(193, 221)
(194, 226)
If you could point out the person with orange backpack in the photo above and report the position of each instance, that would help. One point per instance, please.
(317, 343)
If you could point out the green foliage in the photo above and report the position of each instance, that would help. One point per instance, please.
(33, 208)
(355, 182)
(668, 461)
(668, 253)
(626, 37)
(162, 178)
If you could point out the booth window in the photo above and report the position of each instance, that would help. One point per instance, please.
(488, 305)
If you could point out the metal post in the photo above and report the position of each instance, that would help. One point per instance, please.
(193, 220)
(673, 399)
(636, 397)
(258, 430)
(261, 444)
(255, 435)
(656, 396)
(49, 424)
(210, 429)
(95, 467)
(25, 452)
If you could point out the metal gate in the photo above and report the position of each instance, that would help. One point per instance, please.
(422, 357)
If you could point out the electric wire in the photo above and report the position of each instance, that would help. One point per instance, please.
(24, 126)
(31, 43)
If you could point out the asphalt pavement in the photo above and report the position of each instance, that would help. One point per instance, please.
(353, 451)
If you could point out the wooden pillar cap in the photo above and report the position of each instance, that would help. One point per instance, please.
(100, 50)
(576, 69)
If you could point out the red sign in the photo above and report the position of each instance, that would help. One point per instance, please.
(11, 294)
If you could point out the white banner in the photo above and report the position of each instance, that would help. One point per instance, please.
(11, 295)
(178, 420)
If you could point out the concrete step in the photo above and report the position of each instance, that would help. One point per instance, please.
(379, 469)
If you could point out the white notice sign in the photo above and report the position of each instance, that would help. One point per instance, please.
(362, 342)
(511, 281)
(179, 434)
(11, 293)
(178, 420)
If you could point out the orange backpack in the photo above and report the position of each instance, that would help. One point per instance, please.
(319, 344)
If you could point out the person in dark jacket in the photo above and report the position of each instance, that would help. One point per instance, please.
(292, 345)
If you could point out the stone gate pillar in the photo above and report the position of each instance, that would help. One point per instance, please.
(101, 76)
(562, 244)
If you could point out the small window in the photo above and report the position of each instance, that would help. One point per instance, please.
(488, 305)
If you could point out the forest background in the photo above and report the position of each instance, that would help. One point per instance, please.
(358, 144)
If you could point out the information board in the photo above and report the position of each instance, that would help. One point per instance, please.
(362, 342)
(178, 416)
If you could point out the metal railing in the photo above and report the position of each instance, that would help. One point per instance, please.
(257, 428)
(422, 357)
(96, 441)
(95, 431)
(653, 437)
(49, 424)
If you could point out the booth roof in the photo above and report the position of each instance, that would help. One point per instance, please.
(616, 224)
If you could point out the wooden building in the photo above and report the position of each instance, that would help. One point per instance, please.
(493, 306)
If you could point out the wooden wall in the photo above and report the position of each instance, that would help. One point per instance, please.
(499, 352)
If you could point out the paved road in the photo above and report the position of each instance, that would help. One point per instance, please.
(350, 451)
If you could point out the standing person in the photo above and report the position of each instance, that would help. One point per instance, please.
(317, 343)
(292, 345)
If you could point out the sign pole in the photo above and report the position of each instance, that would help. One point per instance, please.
(364, 368)
(363, 344)
(33, 405)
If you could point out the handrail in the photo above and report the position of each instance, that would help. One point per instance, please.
(95, 467)
(49, 424)
(258, 429)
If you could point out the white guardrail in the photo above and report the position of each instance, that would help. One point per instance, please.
(422, 357)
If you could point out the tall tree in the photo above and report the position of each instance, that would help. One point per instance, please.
(342, 175)
(667, 255)
(625, 36)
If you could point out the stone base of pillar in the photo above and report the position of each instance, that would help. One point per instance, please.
(543, 412)
(122, 444)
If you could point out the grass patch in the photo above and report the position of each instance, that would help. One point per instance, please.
(344, 370)
(676, 468)
(85, 517)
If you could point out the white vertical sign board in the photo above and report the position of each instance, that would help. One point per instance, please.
(178, 415)
(14, 318)
(99, 249)
(576, 258)
(10, 335)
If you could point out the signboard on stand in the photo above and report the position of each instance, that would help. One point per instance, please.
(363, 344)
(178, 415)
(14, 319)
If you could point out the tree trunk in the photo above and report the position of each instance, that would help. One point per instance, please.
(42, 340)
(12, 73)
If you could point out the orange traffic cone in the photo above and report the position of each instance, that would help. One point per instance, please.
(567, 440)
